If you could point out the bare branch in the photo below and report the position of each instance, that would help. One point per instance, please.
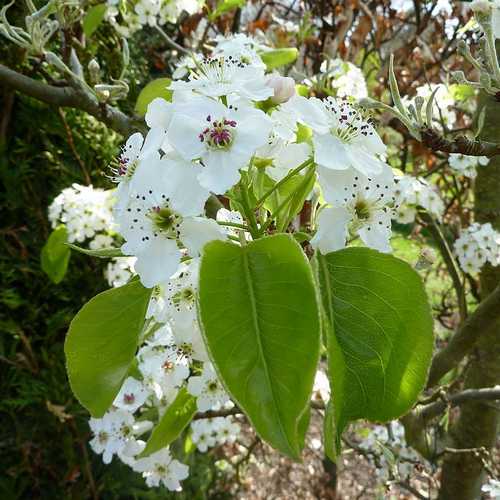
(479, 322)
(461, 144)
(69, 97)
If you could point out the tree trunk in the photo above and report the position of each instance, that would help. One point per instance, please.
(477, 424)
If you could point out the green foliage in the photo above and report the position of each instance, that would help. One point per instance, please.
(176, 418)
(378, 331)
(55, 255)
(279, 57)
(261, 325)
(102, 342)
(93, 18)
(154, 89)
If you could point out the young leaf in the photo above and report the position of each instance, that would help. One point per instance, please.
(173, 422)
(102, 342)
(154, 89)
(103, 253)
(378, 329)
(93, 18)
(55, 255)
(260, 321)
(279, 57)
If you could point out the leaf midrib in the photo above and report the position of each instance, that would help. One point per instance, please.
(255, 319)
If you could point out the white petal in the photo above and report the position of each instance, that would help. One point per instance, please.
(158, 261)
(377, 234)
(332, 229)
(221, 171)
(187, 196)
(196, 232)
(183, 135)
(159, 113)
(330, 152)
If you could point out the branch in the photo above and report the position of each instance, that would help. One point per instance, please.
(461, 144)
(435, 409)
(480, 321)
(449, 260)
(69, 97)
(226, 412)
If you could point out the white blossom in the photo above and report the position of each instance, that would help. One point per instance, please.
(467, 165)
(207, 389)
(161, 467)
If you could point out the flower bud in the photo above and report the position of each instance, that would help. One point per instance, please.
(94, 71)
(283, 86)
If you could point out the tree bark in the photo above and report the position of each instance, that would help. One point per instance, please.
(477, 423)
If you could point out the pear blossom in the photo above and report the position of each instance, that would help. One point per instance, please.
(346, 79)
(119, 271)
(161, 468)
(147, 11)
(207, 389)
(360, 206)
(229, 75)
(492, 488)
(476, 245)
(133, 394)
(411, 193)
(113, 431)
(342, 138)
(466, 165)
(223, 138)
(154, 220)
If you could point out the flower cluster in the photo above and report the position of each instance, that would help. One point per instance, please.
(412, 193)
(466, 165)
(210, 432)
(478, 244)
(86, 213)
(389, 453)
(344, 78)
(127, 20)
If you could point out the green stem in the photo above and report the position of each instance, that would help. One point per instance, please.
(249, 212)
(234, 224)
(285, 179)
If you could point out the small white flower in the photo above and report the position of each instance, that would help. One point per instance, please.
(119, 271)
(342, 138)
(492, 488)
(466, 165)
(132, 395)
(152, 222)
(226, 76)
(161, 467)
(208, 389)
(223, 138)
(361, 206)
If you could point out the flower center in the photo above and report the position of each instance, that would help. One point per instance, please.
(165, 220)
(212, 386)
(103, 437)
(362, 210)
(219, 134)
(128, 399)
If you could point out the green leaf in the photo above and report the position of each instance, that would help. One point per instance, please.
(103, 253)
(224, 6)
(260, 321)
(55, 255)
(378, 329)
(93, 18)
(101, 344)
(279, 57)
(154, 89)
(173, 422)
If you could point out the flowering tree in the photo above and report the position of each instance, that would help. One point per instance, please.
(253, 221)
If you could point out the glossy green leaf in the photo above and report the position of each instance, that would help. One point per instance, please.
(154, 89)
(279, 57)
(378, 329)
(174, 421)
(260, 321)
(103, 253)
(101, 344)
(93, 18)
(55, 255)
